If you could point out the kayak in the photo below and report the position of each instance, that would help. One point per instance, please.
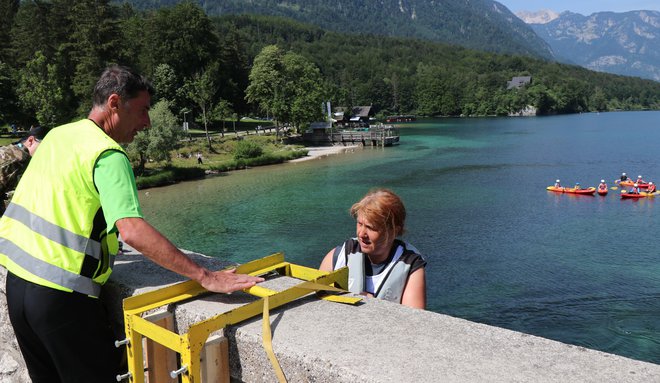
(633, 195)
(587, 191)
(627, 195)
(642, 185)
(602, 191)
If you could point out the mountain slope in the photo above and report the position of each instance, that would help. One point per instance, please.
(538, 17)
(478, 24)
(622, 43)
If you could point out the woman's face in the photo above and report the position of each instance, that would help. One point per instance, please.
(373, 241)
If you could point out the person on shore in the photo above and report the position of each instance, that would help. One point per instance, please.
(58, 237)
(380, 265)
(14, 159)
(602, 186)
(557, 184)
(199, 158)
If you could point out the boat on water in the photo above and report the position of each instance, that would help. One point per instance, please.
(630, 183)
(602, 191)
(628, 195)
(587, 191)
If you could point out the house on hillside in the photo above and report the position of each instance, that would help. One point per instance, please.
(518, 82)
(358, 117)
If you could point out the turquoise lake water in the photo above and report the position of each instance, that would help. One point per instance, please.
(501, 249)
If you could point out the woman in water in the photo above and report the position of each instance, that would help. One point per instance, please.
(380, 265)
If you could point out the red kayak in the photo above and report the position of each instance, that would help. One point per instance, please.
(587, 191)
(602, 191)
(627, 195)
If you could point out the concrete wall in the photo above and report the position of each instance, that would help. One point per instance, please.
(377, 341)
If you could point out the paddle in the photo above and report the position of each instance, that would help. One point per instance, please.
(614, 188)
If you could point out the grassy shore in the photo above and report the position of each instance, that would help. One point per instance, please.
(220, 157)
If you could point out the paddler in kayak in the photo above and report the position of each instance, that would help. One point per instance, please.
(623, 178)
(651, 189)
(640, 180)
(577, 186)
(635, 189)
(602, 186)
(557, 184)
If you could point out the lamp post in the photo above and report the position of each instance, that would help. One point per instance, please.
(185, 123)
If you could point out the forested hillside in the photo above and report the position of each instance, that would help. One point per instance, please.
(478, 24)
(403, 75)
(55, 50)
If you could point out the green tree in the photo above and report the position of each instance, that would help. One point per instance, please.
(598, 100)
(165, 83)
(31, 33)
(201, 90)
(223, 110)
(181, 36)
(304, 90)
(94, 39)
(267, 81)
(6, 94)
(157, 142)
(132, 50)
(288, 86)
(8, 9)
(40, 90)
(234, 62)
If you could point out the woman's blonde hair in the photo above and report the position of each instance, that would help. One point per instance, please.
(383, 209)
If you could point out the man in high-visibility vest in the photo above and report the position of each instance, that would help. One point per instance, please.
(58, 237)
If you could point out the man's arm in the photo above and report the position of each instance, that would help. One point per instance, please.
(140, 235)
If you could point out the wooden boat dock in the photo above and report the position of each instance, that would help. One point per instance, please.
(401, 118)
(380, 135)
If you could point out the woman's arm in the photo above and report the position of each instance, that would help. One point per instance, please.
(414, 294)
(326, 264)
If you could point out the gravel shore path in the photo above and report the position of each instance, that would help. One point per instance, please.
(315, 152)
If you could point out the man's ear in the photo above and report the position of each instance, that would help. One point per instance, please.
(113, 101)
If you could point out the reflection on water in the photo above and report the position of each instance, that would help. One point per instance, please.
(501, 249)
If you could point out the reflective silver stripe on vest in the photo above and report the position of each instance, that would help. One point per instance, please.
(49, 272)
(53, 232)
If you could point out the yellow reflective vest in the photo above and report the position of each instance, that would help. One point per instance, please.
(54, 233)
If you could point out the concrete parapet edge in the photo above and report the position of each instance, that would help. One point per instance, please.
(377, 341)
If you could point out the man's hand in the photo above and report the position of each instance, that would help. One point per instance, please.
(144, 238)
(227, 281)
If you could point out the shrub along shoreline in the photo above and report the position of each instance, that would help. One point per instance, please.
(180, 169)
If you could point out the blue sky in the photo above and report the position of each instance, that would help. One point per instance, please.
(585, 7)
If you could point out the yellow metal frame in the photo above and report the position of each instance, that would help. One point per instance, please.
(190, 345)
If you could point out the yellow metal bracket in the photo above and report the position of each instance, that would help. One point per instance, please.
(190, 344)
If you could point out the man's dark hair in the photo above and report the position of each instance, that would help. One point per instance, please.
(38, 132)
(122, 81)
